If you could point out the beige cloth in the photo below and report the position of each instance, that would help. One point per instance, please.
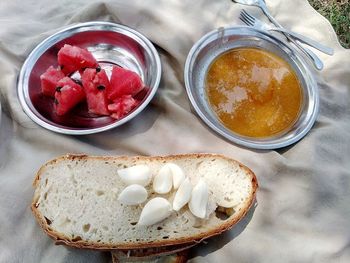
(303, 204)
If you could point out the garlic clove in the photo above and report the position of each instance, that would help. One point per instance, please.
(133, 195)
(138, 174)
(199, 199)
(163, 181)
(177, 173)
(156, 210)
(183, 195)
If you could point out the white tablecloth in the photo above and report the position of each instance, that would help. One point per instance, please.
(303, 204)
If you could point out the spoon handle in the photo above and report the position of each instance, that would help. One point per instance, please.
(305, 40)
(311, 55)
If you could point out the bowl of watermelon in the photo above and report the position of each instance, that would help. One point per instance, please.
(89, 78)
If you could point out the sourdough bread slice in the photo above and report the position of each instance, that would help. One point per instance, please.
(75, 201)
(167, 254)
(179, 257)
(152, 252)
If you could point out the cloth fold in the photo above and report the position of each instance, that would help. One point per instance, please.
(302, 211)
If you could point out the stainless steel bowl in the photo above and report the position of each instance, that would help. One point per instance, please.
(221, 40)
(111, 44)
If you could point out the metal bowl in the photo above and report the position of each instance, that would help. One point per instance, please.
(221, 40)
(111, 44)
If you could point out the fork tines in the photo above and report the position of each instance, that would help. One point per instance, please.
(246, 18)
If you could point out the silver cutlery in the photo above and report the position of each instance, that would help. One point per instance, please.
(255, 22)
(307, 52)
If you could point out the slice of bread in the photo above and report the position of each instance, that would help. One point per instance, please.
(180, 257)
(173, 258)
(147, 253)
(75, 201)
(167, 254)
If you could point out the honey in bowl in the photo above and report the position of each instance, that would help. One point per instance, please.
(254, 92)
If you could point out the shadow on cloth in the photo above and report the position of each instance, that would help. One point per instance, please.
(80, 256)
(217, 242)
(6, 132)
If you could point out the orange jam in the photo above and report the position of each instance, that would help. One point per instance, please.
(254, 92)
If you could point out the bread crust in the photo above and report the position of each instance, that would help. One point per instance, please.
(180, 251)
(62, 239)
(180, 257)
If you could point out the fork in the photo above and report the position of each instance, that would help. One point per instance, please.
(307, 52)
(253, 21)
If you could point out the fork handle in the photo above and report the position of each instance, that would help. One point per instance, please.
(306, 40)
(311, 55)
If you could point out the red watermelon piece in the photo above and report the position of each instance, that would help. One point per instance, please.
(124, 82)
(49, 80)
(122, 106)
(68, 94)
(73, 58)
(96, 84)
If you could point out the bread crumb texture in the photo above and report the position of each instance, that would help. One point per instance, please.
(78, 198)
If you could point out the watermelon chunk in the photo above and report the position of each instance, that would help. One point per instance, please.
(49, 80)
(122, 106)
(68, 94)
(124, 82)
(96, 84)
(73, 58)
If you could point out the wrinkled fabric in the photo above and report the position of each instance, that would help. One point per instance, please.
(302, 212)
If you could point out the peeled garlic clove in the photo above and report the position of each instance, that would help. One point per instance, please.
(156, 210)
(199, 199)
(163, 181)
(138, 174)
(183, 195)
(177, 173)
(133, 195)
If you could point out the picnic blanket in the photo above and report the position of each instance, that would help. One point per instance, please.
(302, 212)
